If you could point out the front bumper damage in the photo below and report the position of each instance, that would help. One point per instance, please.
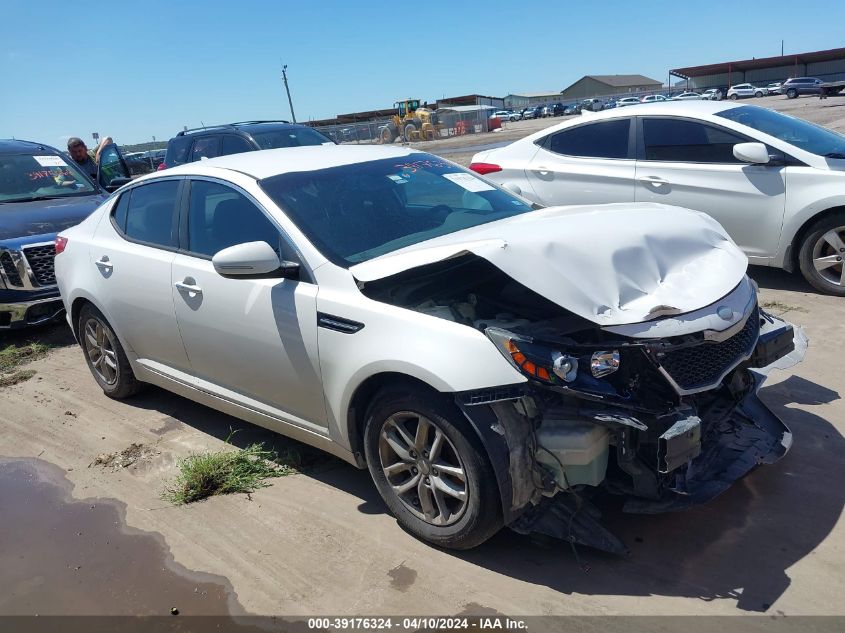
(658, 463)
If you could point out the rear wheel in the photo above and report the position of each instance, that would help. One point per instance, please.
(791, 93)
(105, 356)
(822, 253)
(409, 132)
(430, 469)
(758, 94)
(734, 97)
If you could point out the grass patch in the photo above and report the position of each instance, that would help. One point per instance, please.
(11, 356)
(779, 305)
(7, 380)
(226, 472)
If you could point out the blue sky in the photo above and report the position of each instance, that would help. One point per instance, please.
(135, 70)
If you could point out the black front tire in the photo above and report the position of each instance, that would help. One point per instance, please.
(125, 384)
(805, 255)
(482, 516)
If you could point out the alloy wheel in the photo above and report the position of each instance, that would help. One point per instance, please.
(828, 252)
(100, 348)
(423, 468)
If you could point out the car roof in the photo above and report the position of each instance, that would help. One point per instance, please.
(272, 162)
(251, 127)
(14, 146)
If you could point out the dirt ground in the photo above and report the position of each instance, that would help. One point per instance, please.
(321, 541)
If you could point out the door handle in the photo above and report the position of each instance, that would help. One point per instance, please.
(104, 264)
(653, 181)
(188, 287)
(543, 170)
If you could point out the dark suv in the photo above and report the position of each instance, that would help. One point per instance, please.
(233, 138)
(42, 192)
(801, 86)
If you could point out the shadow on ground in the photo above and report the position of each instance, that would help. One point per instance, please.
(779, 279)
(738, 547)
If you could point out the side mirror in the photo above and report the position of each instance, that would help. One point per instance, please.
(754, 153)
(251, 258)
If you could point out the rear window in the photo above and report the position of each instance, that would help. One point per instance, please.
(177, 151)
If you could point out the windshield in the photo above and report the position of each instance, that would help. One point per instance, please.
(356, 212)
(290, 137)
(36, 177)
(807, 136)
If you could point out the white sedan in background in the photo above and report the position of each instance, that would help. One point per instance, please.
(688, 96)
(775, 182)
(653, 99)
(627, 101)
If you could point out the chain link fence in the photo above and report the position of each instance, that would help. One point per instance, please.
(447, 122)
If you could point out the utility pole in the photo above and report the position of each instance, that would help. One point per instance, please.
(290, 102)
(781, 48)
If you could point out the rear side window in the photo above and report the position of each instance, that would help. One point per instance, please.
(177, 150)
(120, 210)
(205, 147)
(605, 139)
(221, 217)
(678, 140)
(150, 212)
(234, 145)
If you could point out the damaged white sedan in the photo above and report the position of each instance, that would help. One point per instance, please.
(490, 362)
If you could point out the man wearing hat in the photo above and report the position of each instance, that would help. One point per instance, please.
(79, 153)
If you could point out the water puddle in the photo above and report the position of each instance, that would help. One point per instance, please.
(68, 557)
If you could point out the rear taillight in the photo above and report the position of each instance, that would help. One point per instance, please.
(161, 167)
(61, 242)
(484, 168)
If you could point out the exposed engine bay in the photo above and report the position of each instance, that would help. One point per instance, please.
(664, 412)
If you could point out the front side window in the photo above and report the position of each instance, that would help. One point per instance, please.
(803, 134)
(150, 212)
(356, 212)
(37, 177)
(605, 139)
(220, 217)
(683, 141)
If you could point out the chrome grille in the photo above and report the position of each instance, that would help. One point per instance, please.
(40, 259)
(10, 269)
(705, 364)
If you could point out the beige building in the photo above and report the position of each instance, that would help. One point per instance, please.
(606, 85)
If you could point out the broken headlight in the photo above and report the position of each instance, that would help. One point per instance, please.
(547, 364)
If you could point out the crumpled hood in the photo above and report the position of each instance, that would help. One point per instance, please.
(39, 217)
(611, 264)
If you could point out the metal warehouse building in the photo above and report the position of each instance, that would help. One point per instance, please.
(827, 65)
(605, 85)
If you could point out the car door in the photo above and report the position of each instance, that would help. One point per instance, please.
(132, 252)
(112, 169)
(249, 340)
(690, 163)
(585, 164)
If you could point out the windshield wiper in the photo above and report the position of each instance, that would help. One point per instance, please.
(34, 198)
(835, 155)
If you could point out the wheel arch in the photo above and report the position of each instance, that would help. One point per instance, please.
(790, 262)
(360, 401)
